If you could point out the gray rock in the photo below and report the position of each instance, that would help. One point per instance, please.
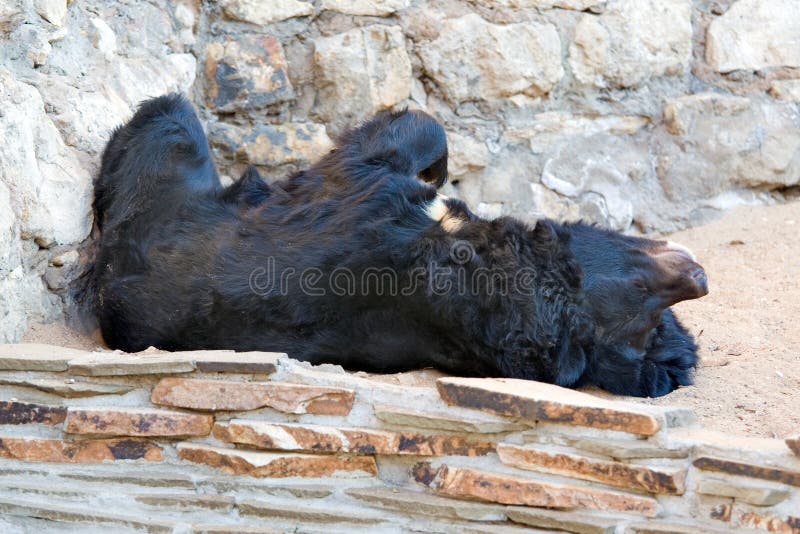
(375, 8)
(260, 13)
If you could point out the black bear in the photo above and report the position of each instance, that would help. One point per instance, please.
(359, 261)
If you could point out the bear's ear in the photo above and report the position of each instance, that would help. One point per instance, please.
(679, 276)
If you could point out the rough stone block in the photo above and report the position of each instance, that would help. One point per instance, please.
(361, 71)
(775, 522)
(68, 387)
(473, 59)
(22, 413)
(785, 90)
(263, 13)
(567, 521)
(79, 451)
(273, 145)
(754, 35)
(108, 421)
(467, 483)
(666, 480)
(246, 73)
(371, 8)
(719, 465)
(36, 357)
(413, 503)
(218, 395)
(752, 494)
(277, 465)
(537, 401)
(318, 438)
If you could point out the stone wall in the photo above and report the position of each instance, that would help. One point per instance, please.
(643, 115)
(222, 442)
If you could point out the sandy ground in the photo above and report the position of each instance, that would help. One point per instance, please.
(748, 381)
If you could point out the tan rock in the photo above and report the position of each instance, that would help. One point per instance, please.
(577, 5)
(71, 513)
(233, 529)
(361, 71)
(22, 413)
(467, 483)
(79, 451)
(53, 11)
(36, 357)
(719, 465)
(277, 465)
(479, 423)
(786, 90)
(414, 503)
(372, 8)
(537, 401)
(465, 154)
(273, 145)
(631, 42)
(305, 513)
(249, 72)
(754, 35)
(752, 494)
(226, 395)
(318, 438)
(131, 475)
(785, 524)
(257, 12)
(667, 480)
(136, 422)
(68, 387)
(119, 363)
(205, 501)
(794, 444)
(473, 59)
(567, 521)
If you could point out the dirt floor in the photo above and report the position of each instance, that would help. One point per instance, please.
(748, 327)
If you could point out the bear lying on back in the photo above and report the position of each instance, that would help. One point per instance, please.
(359, 261)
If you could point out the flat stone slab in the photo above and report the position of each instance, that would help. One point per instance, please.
(467, 483)
(228, 395)
(567, 521)
(305, 513)
(36, 357)
(413, 503)
(84, 451)
(68, 387)
(75, 514)
(620, 449)
(794, 444)
(319, 438)
(121, 363)
(751, 494)
(205, 501)
(665, 480)
(23, 413)
(222, 361)
(140, 422)
(481, 423)
(669, 527)
(537, 401)
(719, 465)
(277, 465)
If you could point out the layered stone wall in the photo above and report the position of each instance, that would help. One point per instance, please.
(222, 442)
(643, 115)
